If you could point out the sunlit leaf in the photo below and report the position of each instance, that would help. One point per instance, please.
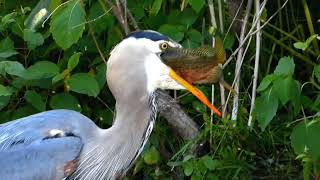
(68, 23)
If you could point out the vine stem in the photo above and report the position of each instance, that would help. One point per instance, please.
(235, 107)
(256, 63)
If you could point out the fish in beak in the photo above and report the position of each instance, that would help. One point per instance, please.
(195, 66)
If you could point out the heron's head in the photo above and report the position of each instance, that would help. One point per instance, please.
(136, 66)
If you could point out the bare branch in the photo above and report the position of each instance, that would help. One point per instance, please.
(256, 63)
(239, 63)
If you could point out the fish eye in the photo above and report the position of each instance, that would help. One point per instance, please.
(164, 46)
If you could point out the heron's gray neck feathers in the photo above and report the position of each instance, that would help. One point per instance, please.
(109, 159)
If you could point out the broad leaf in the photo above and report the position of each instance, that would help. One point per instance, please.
(209, 162)
(266, 81)
(285, 67)
(172, 31)
(73, 61)
(33, 39)
(197, 4)
(68, 23)
(151, 156)
(5, 91)
(156, 7)
(317, 72)
(41, 70)
(7, 48)
(188, 168)
(266, 108)
(12, 68)
(83, 83)
(305, 139)
(35, 100)
(304, 45)
(65, 101)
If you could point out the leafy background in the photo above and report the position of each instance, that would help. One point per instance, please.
(60, 65)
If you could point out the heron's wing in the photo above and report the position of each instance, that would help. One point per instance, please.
(44, 160)
(42, 146)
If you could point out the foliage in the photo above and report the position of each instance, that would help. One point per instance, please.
(58, 65)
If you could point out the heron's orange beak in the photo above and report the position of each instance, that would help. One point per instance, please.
(196, 92)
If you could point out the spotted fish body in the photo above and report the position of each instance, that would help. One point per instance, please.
(198, 66)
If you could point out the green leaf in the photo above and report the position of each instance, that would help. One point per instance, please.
(65, 101)
(172, 31)
(305, 139)
(194, 35)
(35, 100)
(317, 72)
(266, 81)
(229, 41)
(67, 24)
(7, 48)
(12, 68)
(285, 67)
(57, 78)
(266, 108)
(156, 7)
(41, 70)
(304, 45)
(101, 75)
(197, 5)
(84, 83)
(209, 162)
(100, 19)
(5, 91)
(151, 156)
(188, 168)
(73, 61)
(281, 89)
(33, 39)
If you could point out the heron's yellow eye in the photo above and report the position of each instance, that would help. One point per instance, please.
(164, 46)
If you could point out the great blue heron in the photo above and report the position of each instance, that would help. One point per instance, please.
(60, 144)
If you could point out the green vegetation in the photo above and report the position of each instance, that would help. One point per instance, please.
(54, 58)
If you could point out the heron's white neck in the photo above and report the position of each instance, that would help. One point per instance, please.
(124, 141)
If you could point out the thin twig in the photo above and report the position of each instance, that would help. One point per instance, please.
(214, 25)
(222, 90)
(256, 63)
(97, 45)
(251, 32)
(238, 63)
